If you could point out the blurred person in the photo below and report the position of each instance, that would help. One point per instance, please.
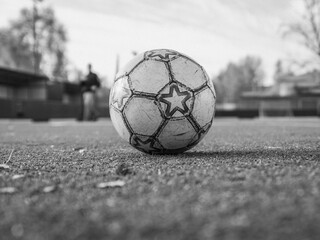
(89, 87)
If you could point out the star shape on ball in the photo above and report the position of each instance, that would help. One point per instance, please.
(119, 96)
(163, 56)
(175, 100)
(145, 145)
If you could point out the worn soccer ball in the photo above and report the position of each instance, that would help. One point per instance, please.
(162, 102)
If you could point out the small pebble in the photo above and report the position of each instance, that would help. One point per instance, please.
(123, 169)
(17, 176)
(49, 189)
(112, 184)
(8, 190)
(4, 166)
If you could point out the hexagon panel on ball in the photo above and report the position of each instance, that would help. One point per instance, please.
(176, 135)
(149, 77)
(143, 115)
(188, 73)
(200, 135)
(204, 107)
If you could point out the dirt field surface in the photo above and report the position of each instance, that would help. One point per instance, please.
(248, 179)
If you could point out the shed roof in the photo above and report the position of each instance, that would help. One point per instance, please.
(18, 78)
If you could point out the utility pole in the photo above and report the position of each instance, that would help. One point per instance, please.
(117, 65)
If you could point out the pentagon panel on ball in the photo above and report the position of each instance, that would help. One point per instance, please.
(175, 100)
(120, 93)
(146, 144)
(162, 102)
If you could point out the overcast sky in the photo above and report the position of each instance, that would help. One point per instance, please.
(213, 32)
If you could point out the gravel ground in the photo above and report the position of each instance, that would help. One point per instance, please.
(248, 179)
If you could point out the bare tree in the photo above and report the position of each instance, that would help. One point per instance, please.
(247, 75)
(47, 48)
(253, 73)
(308, 28)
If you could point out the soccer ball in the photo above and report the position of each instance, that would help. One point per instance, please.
(162, 102)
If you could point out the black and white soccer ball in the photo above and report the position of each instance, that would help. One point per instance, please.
(162, 102)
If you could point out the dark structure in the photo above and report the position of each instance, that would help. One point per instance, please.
(22, 94)
(27, 95)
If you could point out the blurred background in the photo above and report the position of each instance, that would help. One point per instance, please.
(263, 56)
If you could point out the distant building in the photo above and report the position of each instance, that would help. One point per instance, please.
(34, 96)
(290, 96)
(18, 90)
(28, 95)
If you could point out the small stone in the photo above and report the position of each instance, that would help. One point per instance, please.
(17, 176)
(8, 190)
(77, 148)
(274, 147)
(112, 184)
(123, 169)
(49, 189)
(4, 166)
(81, 151)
